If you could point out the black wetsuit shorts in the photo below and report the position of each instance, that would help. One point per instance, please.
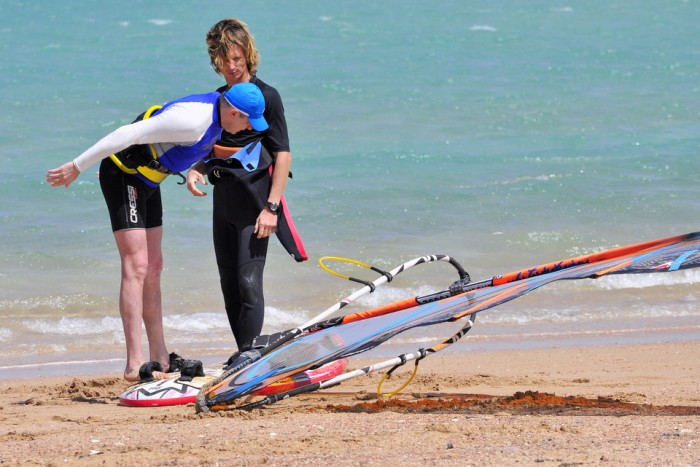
(131, 203)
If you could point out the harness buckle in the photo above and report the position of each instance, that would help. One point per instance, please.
(153, 164)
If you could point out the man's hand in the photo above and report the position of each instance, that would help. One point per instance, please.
(266, 224)
(63, 175)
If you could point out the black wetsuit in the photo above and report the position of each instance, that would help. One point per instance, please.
(240, 255)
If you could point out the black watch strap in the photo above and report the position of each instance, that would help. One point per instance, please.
(273, 207)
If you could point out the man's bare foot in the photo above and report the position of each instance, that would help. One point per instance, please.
(160, 375)
(157, 369)
(132, 376)
(165, 365)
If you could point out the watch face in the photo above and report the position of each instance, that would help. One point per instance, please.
(273, 206)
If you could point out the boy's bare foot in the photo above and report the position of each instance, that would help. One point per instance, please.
(135, 378)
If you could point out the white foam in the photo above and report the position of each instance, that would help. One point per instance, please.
(5, 334)
(205, 321)
(482, 27)
(54, 302)
(585, 312)
(74, 326)
(160, 22)
(527, 178)
(641, 281)
(277, 318)
(69, 362)
(216, 321)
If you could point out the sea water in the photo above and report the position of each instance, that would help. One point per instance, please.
(502, 133)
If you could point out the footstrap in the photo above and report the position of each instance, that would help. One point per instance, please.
(190, 369)
(266, 340)
(147, 369)
(175, 363)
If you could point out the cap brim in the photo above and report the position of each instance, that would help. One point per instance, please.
(259, 124)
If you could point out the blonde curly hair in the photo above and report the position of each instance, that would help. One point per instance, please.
(223, 36)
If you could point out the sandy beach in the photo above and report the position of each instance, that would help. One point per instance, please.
(616, 405)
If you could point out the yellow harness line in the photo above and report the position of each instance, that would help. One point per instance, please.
(153, 175)
(344, 260)
(369, 284)
(403, 386)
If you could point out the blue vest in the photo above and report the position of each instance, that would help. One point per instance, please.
(180, 158)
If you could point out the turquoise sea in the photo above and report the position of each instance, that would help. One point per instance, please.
(503, 133)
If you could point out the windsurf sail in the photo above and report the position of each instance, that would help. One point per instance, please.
(263, 345)
(668, 254)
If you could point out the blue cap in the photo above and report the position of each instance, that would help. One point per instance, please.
(247, 98)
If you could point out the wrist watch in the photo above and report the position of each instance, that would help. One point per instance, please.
(273, 207)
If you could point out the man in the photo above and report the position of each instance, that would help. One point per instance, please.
(136, 158)
(248, 206)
